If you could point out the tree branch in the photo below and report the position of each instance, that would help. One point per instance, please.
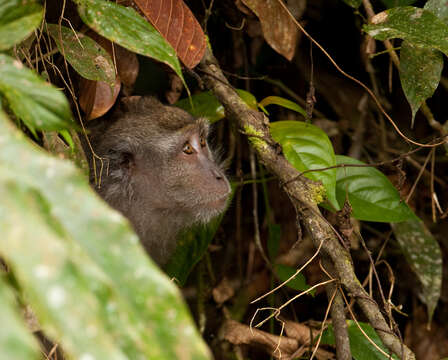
(302, 193)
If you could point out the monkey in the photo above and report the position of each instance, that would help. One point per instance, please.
(158, 171)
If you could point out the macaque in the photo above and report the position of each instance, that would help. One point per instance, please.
(158, 171)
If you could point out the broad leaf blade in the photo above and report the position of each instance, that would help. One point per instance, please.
(419, 26)
(360, 347)
(93, 249)
(16, 342)
(439, 8)
(307, 147)
(50, 285)
(288, 104)
(87, 57)
(205, 104)
(191, 247)
(175, 21)
(36, 102)
(298, 283)
(18, 18)
(422, 252)
(124, 26)
(420, 72)
(279, 29)
(370, 193)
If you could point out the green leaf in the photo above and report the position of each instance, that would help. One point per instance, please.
(353, 3)
(371, 194)
(277, 100)
(124, 26)
(419, 26)
(191, 247)
(307, 147)
(422, 252)
(16, 342)
(275, 234)
(18, 18)
(81, 267)
(298, 283)
(87, 57)
(37, 103)
(395, 3)
(205, 104)
(439, 8)
(360, 347)
(420, 72)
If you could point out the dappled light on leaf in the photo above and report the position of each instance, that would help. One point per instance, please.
(423, 254)
(18, 18)
(420, 71)
(83, 247)
(37, 103)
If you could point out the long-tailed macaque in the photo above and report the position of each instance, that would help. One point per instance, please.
(158, 171)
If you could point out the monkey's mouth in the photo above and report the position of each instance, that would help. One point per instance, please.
(219, 204)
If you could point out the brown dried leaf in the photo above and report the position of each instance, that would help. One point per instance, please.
(278, 28)
(96, 97)
(126, 61)
(174, 20)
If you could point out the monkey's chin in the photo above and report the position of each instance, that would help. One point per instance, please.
(212, 209)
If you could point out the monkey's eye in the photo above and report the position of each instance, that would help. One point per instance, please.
(188, 149)
(202, 141)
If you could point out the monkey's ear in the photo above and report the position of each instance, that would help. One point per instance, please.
(127, 161)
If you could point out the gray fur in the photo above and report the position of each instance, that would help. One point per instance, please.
(147, 176)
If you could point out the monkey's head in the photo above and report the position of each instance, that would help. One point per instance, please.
(158, 170)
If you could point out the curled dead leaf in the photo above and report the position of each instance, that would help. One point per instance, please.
(97, 97)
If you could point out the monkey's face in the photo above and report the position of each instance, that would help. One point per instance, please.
(160, 172)
(181, 176)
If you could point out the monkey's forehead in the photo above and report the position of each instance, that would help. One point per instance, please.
(170, 120)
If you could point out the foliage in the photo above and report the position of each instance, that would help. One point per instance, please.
(360, 345)
(79, 264)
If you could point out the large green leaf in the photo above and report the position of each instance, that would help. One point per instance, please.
(191, 247)
(439, 8)
(420, 71)
(419, 26)
(18, 18)
(307, 147)
(422, 252)
(16, 343)
(124, 26)
(360, 347)
(80, 265)
(371, 194)
(87, 57)
(205, 104)
(288, 104)
(36, 102)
